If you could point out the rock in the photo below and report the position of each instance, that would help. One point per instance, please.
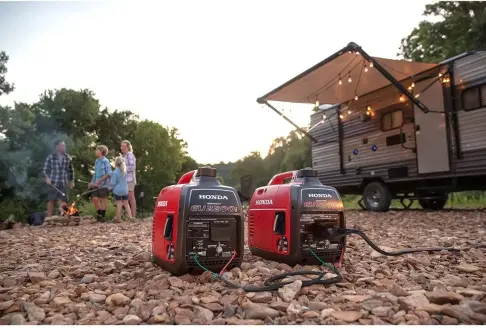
(347, 316)
(357, 298)
(288, 292)
(430, 308)
(455, 281)
(204, 313)
(326, 312)
(36, 277)
(469, 268)
(117, 299)
(17, 319)
(131, 319)
(414, 300)
(97, 298)
(34, 313)
(88, 278)
(258, 311)
(316, 306)
(61, 300)
(457, 312)
(5, 305)
(263, 297)
(443, 297)
(381, 311)
(398, 290)
(161, 318)
(176, 282)
(54, 274)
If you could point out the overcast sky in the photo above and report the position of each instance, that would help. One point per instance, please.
(195, 65)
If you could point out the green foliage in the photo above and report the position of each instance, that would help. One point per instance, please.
(461, 26)
(5, 87)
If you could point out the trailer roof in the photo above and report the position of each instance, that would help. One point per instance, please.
(322, 81)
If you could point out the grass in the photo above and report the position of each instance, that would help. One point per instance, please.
(459, 200)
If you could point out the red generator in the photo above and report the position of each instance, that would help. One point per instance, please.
(197, 221)
(287, 222)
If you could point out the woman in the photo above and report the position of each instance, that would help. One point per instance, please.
(130, 161)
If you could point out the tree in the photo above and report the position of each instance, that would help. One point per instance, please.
(461, 27)
(5, 87)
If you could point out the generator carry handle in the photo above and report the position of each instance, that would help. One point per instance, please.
(279, 179)
(187, 177)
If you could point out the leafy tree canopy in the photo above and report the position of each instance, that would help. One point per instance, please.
(458, 26)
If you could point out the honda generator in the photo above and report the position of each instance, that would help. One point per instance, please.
(197, 223)
(295, 222)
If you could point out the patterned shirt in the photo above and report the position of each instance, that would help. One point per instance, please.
(59, 168)
(102, 168)
(130, 162)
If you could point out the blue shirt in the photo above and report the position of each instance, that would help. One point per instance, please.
(102, 168)
(119, 183)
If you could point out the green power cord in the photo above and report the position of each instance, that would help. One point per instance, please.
(270, 286)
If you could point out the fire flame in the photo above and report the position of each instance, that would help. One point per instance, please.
(70, 210)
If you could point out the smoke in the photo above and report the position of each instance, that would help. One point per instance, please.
(22, 163)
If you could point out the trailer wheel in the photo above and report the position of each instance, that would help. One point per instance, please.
(377, 197)
(435, 204)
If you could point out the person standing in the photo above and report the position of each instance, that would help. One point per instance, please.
(100, 181)
(59, 174)
(119, 185)
(130, 162)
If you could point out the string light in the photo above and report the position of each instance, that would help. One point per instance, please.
(317, 103)
(368, 108)
(349, 111)
(417, 95)
(356, 97)
(341, 116)
(366, 68)
(323, 117)
(340, 81)
(371, 64)
(440, 74)
(349, 78)
(402, 98)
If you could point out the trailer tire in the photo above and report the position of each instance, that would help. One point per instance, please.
(377, 197)
(434, 204)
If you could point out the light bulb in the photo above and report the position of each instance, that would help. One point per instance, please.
(356, 97)
(323, 117)
(440, 74)
(368, 113)
(371, 64)
(368, 108)
(340, 82)
(317, 103)
(417, 95)
(402, 98)
(366, 69)
(349, 112)
(412, 85)
(341, 116)
(350, 79)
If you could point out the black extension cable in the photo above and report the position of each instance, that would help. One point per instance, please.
(271, 285)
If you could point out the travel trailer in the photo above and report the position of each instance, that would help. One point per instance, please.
(397, 129)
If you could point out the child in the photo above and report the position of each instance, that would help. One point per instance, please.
(99, 183)
(120, 188)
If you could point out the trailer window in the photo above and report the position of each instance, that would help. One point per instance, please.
(471, 98)
(392, 120)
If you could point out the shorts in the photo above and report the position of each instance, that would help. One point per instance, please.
(118, 198)
(99, 193)
(53, 194)
(131, 186)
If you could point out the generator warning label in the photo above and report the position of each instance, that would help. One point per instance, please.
(213, 200)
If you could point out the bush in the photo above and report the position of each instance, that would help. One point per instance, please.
(17, 208)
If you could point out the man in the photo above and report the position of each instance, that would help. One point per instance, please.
(59, 173)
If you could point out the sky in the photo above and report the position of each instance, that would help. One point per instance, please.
(195, 65)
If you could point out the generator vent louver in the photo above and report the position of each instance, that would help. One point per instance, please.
(251, 225)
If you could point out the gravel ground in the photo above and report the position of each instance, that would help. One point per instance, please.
(102, 274)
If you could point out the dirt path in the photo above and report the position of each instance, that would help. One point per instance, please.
(102, 274)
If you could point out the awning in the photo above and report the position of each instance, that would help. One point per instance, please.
(343, 76)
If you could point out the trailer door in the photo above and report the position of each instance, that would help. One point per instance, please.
(430, 130)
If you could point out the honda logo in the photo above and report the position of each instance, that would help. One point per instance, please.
(264, 202)
(320, 195)
(215, 197)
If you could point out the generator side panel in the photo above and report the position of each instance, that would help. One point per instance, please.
(470, 103)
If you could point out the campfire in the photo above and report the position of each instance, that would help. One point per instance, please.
(70, 210)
